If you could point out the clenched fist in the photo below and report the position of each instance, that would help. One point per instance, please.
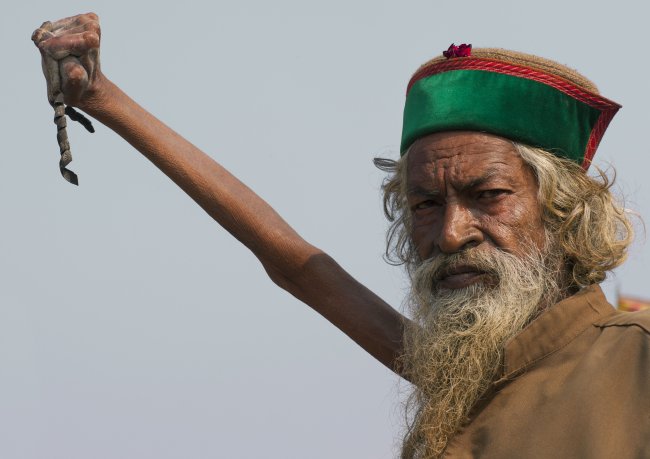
(70, 57)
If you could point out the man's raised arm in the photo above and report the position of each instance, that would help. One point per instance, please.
(298, 267)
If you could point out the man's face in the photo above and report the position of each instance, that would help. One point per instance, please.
(470, 189)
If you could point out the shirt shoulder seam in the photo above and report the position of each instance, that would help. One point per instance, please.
(640, 319)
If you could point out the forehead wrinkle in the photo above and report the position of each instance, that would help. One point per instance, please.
(472, 146)
(452, 160)
(427, 184)
(469, 178)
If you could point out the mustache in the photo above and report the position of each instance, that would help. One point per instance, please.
(470, 260)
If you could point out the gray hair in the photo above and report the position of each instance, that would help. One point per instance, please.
(593, 230)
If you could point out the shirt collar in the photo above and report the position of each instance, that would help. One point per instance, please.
(555, 328)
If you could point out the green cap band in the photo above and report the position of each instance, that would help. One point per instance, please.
(518, 103)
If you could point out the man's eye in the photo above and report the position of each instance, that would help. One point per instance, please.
(491, 194)
(424, 205)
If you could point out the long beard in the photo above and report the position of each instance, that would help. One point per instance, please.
(455, 347)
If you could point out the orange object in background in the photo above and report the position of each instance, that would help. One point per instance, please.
(629, 304)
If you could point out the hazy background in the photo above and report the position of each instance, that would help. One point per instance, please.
(132, 326)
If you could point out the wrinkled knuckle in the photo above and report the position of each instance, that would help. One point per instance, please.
(91, 39)
(86, 18)
(58, 51)
(93, 27)
(73, 70)
(68, 64)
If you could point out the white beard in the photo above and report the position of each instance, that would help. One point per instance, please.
(454, 349)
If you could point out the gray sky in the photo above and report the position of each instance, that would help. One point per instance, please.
(132, 326)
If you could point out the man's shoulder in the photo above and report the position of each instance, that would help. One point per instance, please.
(608, 316)
(638, 319)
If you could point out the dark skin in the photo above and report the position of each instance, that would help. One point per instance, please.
(292, 263)
(470, 189)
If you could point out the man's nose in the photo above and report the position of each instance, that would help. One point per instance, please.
(459, 229)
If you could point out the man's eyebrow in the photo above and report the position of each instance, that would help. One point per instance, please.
(478, 181)
(421, 191)
(474, 182)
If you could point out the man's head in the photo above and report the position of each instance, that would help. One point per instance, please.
(492, 231)
(470, 190)
(540, 199)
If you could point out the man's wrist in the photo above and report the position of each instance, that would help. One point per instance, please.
(97, 98)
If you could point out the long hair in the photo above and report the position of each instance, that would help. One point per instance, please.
(593, 229)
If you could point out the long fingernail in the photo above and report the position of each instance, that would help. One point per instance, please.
(41, 35)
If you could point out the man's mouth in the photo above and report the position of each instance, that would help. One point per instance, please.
(460, 276)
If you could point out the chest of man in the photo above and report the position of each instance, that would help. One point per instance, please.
(576, 384)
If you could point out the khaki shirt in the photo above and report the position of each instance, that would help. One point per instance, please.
(576, 384)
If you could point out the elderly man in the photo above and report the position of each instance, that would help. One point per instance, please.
(512, 348)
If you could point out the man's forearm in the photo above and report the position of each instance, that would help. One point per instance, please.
(226, 199)
(292, 263)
